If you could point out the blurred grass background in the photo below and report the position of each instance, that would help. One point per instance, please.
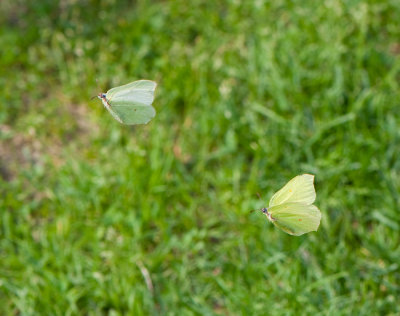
(98, 218)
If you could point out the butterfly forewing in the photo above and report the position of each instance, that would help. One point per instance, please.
(141, 91)
(300, 190)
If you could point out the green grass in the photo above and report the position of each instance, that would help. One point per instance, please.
(250, 95)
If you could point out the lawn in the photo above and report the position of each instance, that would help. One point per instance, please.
(100, 218)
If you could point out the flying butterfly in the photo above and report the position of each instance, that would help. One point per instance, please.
(291, 208)
(131, 103)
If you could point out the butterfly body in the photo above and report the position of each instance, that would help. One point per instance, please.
(265, 211)
(102, 97)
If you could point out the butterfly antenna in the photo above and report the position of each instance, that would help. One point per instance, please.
(259, 196)
(98, 86)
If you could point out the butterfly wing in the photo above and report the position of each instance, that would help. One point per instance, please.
(295, 218)
(141, 91)
(131, 103)
(128, 113)
(298, 190)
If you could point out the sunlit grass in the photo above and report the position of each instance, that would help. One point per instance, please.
(249, 96)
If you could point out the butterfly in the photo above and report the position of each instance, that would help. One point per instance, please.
(291, 208)
(131, 103)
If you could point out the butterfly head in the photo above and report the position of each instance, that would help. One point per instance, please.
(265, 211)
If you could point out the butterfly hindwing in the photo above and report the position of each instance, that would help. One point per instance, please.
(295, 218)
(132, 113)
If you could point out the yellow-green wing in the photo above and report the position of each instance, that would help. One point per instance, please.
(300, 190)
(295, 218)
(143, 90)
(131, 114)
